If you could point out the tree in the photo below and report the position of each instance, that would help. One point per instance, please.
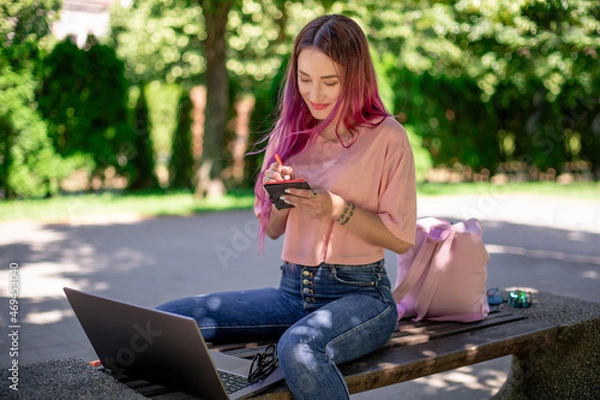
(181, 171)
(84, 99)
(509, 73)
(29, 166)
(208, 175)
(143, 175)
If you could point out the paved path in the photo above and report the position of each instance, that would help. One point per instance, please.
(544, 243)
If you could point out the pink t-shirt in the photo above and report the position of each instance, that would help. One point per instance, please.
(376, 173)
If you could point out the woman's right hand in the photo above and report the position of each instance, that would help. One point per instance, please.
(278, 172)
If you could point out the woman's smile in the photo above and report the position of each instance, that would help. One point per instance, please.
(319, 106)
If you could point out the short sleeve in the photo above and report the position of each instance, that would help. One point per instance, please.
(398, 197)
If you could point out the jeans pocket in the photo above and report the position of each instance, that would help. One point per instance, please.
(355, 276)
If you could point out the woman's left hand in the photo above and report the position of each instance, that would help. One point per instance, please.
(317, 203)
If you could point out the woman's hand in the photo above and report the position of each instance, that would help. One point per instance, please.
(317, 203)
(278, 172)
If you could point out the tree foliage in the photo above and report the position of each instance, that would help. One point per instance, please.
(159, 40)
(29, 166)
(84, 100)
(490, 82)
(482, 84)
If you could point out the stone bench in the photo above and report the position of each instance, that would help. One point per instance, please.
(555, 346)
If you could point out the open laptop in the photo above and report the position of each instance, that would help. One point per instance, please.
(162, 348)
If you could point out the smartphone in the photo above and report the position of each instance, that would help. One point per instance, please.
(276, 190)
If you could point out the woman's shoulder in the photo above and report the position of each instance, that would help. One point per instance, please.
(391, 131)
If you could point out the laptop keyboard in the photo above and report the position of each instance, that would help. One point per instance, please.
(233, 382)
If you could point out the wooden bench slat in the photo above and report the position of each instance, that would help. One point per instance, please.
(175, 396)
(415, 333)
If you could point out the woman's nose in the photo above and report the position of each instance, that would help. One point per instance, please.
(316, 94)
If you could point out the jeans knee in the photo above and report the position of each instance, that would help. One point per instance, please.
(308, 370)
(287, 348)
(297, 352)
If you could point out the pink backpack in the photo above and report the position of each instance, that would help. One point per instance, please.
(443, 276)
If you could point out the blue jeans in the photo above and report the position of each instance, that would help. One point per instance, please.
(321, 316)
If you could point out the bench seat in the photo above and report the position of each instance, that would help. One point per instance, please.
(416, 349)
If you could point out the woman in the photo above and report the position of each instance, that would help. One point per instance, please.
(334, 302)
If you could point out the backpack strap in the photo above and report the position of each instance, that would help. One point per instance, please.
(438, 260)
(416, 270)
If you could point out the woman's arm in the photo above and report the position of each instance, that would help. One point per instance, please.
(367, 226)
(364, 224)
(278, 218)
(277, 222)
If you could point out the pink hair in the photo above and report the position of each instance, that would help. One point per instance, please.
(342, 40)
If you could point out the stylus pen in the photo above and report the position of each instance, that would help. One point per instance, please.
(278, 159)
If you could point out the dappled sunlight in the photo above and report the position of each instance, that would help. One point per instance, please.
(214, 303)
(45, 279)
(477, 381)
(487, 380)
(28, 233)
(590, 274)
(543, 254)
(46, 317)
(320, 319)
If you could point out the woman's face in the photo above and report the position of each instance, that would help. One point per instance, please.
(318, 82)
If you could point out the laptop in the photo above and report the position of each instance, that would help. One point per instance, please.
(161, 348)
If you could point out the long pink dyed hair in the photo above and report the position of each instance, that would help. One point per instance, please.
(342, 40)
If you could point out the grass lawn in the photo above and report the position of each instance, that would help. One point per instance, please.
(66, 208)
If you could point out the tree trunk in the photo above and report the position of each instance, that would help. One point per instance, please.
(209, 182)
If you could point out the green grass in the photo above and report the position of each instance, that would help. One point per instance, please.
(579, 190)
(66, 208)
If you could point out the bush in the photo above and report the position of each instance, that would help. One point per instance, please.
(29, 166)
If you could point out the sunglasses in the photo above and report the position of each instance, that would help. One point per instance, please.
(263, 364)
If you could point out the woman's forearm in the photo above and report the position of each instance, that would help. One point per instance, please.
(369, 227)
(277, 222)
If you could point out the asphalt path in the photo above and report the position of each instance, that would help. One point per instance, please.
(536, 242)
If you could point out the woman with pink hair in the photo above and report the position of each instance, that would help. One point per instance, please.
(334, 302)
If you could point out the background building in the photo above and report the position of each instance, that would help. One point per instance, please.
(81, 18)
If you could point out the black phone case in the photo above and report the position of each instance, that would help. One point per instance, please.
(276, 190)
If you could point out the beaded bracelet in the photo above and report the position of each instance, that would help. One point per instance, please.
(346, 214)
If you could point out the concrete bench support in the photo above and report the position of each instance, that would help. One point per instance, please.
(568, 368)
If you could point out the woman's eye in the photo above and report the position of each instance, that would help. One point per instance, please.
(330, 83)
